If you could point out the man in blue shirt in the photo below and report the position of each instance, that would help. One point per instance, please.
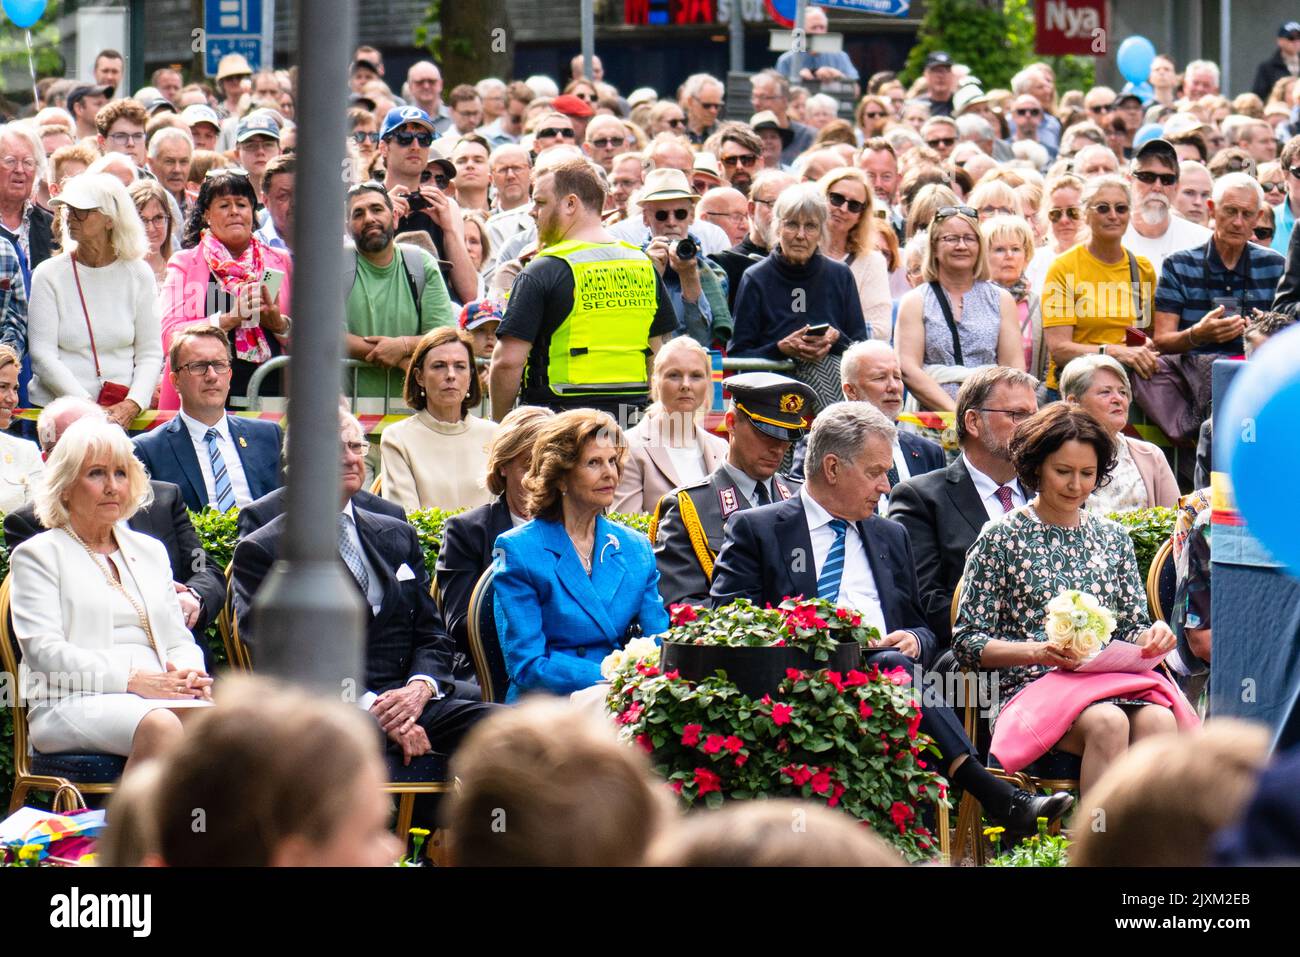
(816, 66)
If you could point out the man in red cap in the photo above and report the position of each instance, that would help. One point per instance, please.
(578, 111)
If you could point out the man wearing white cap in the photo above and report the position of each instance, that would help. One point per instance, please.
(257, 137)
(204, 125)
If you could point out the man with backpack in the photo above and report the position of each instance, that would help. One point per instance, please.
(395, 293)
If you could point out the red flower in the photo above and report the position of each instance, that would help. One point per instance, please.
(783, 746)
(856, 621)
(899, 676)
(900, 814)
(673, 675)
(837, 789)
(682, 614)
(913, 725)
(821, 782)
(799, 775)
(691, 735)
(741, 759)
(856, 678)
(676, 786)
(943, 791)
(733, 743)
(874, 673)
(648, 671)
(632, 713)
(767, 699)
(645, 743)
(794, 674)
(713, 744)
(707, 781)
(842, 613)
(865, 710)
(781, 714)
(835, 678)
(920, 764)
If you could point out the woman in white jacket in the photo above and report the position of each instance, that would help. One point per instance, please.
(106, 655)
(94, 319)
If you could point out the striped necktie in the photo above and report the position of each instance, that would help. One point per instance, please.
(1003, 492)
(222, 490)
(828, 584)
(351, 557)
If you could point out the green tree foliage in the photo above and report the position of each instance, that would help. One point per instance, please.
(45, 52)
(467, 40)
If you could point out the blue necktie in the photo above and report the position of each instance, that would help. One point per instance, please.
(225, 495)
(351, 557)
(828, 585)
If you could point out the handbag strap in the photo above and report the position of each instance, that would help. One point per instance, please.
(1135, 290)
(952, 323)
(85, 312)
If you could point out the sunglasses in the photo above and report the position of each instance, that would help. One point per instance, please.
(360, 136)
(941, 141)
(1294, 171)
(1029, 112)
(605, 142)
(226, 171)
(1074, 212)
(676, 123)
(741, 159)
(997, 211)
(874, 116)
(1103, 209)
(1237, 164)
(946, 212)
(1273, 187)
(707, 106)
(1264, 233)
(661, 215)
(1149, 177)
(1104, 108)
(839, 199)
(552, 132)
(406, 138)
(441, 180)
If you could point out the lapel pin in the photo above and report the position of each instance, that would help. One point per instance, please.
(243, 443)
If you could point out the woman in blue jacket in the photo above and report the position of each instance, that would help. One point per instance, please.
(570, 583)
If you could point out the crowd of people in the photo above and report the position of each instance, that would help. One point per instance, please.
(543, 273)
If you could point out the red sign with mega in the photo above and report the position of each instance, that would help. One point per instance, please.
(1071, 26)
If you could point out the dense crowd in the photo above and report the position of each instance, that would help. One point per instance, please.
(544, 276)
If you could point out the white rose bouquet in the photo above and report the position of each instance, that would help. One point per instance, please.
(1076, 621)
(638, 649)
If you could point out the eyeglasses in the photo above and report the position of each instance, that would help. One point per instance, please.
(1273, 187)
(357, 448)
(196, 369)
(996, 211)
(589, 97)
(1074, 212)
(1034, 111)
(708, 106)
(839, 199)
(155, 222)
(740, 159)
(1102, 108)
(516, 118)
(1294, 171)
(874, 116)
(941, 142)
(674, 123)
(551, 132)
(407, 137)
(944, 212)
(605, 142)
(661, 215)
(441, 180)
(124, 139)
(734, 217)
(1103, 209)
(1238, 164)
(1150, 176)
(361, 136)
(226, 171)
(510, 170)
(959, 239)
(1015, 415)
(794, 227)
(1264, 233)
(11, 163)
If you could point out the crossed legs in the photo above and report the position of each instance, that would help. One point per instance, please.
(1105, 731)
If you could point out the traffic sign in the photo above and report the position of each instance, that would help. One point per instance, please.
(236, 26)
(783, 11)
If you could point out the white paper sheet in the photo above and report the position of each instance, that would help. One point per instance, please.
(1121, 656)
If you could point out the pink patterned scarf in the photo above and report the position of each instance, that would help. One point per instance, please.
(231, 274)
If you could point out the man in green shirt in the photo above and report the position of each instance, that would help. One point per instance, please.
(396, 295)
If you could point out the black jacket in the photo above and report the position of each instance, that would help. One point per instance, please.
(40, 236)
(1287, 298)
(166, 520)
(1268, 73)
(468, 542)
(256, 514)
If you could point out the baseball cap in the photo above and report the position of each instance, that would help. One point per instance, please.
(938, 58)
(1290, 30)
(401, 115)
(364, 65)
(86, 191)
(153, 101)
(87, 89)
(197, 113)
(440, 155)
(481, 311)
(1125, 96)
(1153, 144)
(257, 124)
(571, 105)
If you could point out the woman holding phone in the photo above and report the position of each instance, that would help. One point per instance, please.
(225, 276)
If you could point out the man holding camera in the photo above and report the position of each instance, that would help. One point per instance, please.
(667, 205)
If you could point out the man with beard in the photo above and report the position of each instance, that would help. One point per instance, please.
(394, 295)
(944, 510)
(740, 151)
(1153, 231)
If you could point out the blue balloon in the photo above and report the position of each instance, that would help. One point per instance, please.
(1134, 59)
(1257, 429)
(24, 13)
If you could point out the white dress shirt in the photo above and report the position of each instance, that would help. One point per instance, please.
(857, 584)
(988, 490)
(748, 485)
(229, 454)
(904, 473)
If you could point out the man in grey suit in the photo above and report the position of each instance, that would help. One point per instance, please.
(766, 414)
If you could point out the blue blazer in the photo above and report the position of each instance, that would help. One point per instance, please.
(168, 454)
(767, 556)
(555, 623)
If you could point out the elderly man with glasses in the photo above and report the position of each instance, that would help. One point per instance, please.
(770, 93)
(606, 137)
(1153, 231)
(702, 101)
(1287, 211)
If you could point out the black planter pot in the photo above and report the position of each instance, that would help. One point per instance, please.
(755, 671)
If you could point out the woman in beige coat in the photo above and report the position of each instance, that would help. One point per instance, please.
(668, 448)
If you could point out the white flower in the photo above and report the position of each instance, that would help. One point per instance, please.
(1079, 619)
(612, 664)
(1061, 604)
(642, 647)
(1086, 641)
(1090, 602)
(1059, 630)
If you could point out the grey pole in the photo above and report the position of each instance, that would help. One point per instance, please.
(736, 30)
(1225, 46)
(588, 16)
(309, 617)
(801, 8)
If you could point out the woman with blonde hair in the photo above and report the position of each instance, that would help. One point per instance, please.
(850, 239)
(994, 198)
(20, 459)
(1011, 244)
(436, 457)
(668, 447)
(570, 585)
(156, 215)
(920, 212)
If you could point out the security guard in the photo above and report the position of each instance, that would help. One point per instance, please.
(767, 413)
(585, 317)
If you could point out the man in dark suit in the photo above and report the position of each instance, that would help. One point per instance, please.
(828, 542)
(408, 684)
(273, 504)
(944, 511)
(468, 543)
(200, 581)
(870, 372)
(217, 459)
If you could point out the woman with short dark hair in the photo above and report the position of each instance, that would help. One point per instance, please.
(1023, 561)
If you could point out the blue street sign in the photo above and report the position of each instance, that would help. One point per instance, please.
(884, 8)
(232, 26)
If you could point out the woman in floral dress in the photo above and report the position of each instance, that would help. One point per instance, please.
(1027, 558)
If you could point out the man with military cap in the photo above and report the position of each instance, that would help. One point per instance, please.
(767, 413)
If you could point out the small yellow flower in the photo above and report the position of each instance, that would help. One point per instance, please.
(419, 832)
(992, 831)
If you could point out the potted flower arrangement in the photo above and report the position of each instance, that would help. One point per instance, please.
(825, 728)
